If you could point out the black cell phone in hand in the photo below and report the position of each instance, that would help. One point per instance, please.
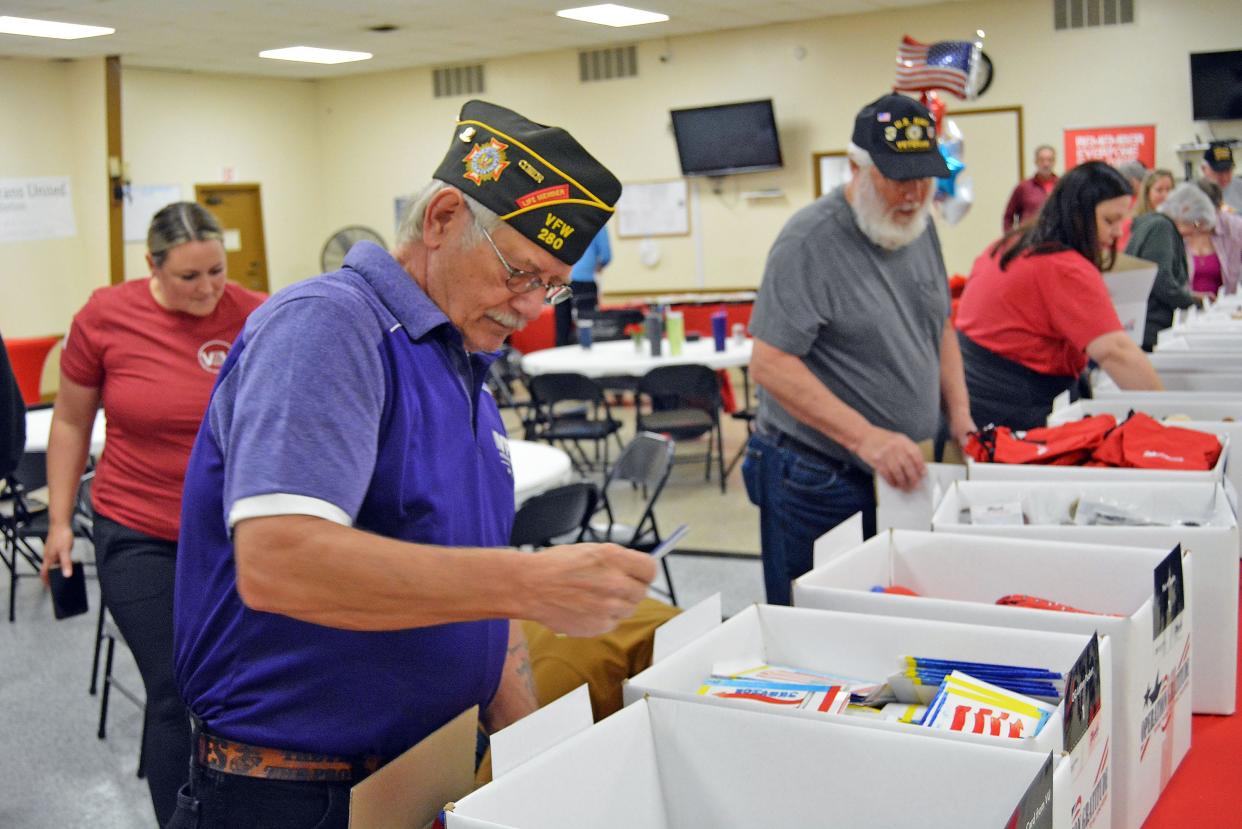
(68, 594)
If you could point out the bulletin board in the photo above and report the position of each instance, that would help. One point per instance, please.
(653, 208)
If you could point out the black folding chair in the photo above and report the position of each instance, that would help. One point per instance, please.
(644, 465)
(22, 520)
(684, 403)
(558, 513)
(571, 410)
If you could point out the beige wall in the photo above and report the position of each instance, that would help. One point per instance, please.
(53, 126)
(184, 128)
(382, 133)
(338, 152)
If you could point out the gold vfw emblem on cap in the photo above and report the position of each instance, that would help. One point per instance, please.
(486, 162)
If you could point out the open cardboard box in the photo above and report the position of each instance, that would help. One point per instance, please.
(668, 764)
(1213, 545)
(1205, 416)
(1129, 283)
(960, 577)
(869, 647)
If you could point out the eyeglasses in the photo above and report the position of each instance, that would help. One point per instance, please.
(523, 282)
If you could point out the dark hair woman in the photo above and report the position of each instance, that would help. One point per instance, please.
(1036, 308)
(148, 351)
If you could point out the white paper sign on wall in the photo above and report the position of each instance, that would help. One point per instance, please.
(144, 201)
(32, 209)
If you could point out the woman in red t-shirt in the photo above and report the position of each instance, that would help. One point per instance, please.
(148, 351)
(1036, 307)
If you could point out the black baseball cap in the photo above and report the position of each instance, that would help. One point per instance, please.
(537, 178)
(1219, 156)
(900, 134)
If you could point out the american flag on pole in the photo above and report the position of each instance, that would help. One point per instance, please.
(947, 65)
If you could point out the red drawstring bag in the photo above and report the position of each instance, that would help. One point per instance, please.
(1143, 443)
(1070, 444)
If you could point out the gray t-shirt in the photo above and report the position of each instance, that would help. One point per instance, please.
(866, 321)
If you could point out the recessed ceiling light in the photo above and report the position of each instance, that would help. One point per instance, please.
(610, 14)
(312, 54)
(50, 28)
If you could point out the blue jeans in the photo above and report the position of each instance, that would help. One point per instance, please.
(800, 497)
(215, 800)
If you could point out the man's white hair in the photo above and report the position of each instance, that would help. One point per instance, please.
(858, 155)
(412, 222)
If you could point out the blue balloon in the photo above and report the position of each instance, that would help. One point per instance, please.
(947, 186)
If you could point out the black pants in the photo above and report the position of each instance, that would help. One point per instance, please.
(136, 579)
(584, 301)
(214, 800)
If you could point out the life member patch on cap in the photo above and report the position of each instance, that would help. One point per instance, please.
(1222, 153)
(910, 134)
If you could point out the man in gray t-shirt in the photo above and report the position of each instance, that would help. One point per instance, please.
(854, 354)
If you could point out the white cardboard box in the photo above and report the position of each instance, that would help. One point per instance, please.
(1129, 283)
(1193, 339)
(1213, 545)
(1213, 382)
(983, 471)
(666, 764)
(868, 647)
(960, 577)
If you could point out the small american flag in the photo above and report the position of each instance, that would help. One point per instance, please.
(944, 65)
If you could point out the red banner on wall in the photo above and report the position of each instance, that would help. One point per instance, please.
(1114, 145)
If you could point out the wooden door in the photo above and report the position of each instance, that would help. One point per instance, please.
(239, 209)
(992, 150)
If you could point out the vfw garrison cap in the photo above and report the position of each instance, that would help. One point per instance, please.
(1219, 156)
(900, 135)
(537, 178)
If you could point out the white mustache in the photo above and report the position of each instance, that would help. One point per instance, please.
(514, 321)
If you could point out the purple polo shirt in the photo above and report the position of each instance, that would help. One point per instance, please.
(350, 390)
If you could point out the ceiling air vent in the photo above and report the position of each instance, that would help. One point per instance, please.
(448, 81)
(606, 64)
(1082, 14)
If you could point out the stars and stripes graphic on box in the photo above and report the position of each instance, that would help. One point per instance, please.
(945, 65)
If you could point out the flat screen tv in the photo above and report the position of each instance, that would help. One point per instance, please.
(1216, 85)
(728, 138)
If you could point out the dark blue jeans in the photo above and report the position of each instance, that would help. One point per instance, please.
(215, 800)
(800, 497)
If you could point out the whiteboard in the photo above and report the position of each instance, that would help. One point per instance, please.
(653, 208)
(142, 203)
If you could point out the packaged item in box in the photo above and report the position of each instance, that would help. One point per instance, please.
(965, 703)
(830, 700)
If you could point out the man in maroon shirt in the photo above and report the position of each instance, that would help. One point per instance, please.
(1030, 193)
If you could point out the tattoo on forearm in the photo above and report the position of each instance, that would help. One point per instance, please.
(519, 653)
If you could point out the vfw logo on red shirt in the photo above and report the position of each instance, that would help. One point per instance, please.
(211, 355)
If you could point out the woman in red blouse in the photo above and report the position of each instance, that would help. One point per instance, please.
(1036, 308)
(148, 351)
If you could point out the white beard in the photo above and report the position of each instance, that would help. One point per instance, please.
(872, 216)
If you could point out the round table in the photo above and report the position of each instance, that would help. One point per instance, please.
(620, 357)
(39, 427)
(537, 467)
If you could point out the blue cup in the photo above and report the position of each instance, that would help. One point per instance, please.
(586, 333)
(720, 329)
